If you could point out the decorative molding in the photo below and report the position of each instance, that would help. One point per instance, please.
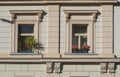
(69, 13)
(13, 18)
(67, 17)
(38, 58)
(57, 67)
(17, 12)
(111, 67)
(103, 67)
(49, 67)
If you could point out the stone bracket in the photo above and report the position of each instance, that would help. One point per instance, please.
(111, 67)
(57, 67)
(49, 67)
(105, 67)
(53, 67)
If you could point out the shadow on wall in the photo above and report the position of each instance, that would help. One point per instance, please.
(5, 20)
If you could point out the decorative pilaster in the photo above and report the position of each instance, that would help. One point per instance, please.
(107, 30)
(53, 35)
(49, 67)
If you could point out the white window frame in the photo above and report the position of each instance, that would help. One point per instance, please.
(90, 23)
(16, 22)
(35, 34)
(89, 34)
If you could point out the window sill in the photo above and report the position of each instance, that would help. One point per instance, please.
(81, 54)
(25, 53)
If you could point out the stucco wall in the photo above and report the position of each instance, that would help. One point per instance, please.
(37, 70)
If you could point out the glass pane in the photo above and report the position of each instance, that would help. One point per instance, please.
(83, 40)
(22, 46)
(79, 37)
(79, 28)
(26, 28)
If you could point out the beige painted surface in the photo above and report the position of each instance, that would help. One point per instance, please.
(107, 36)
(53, 40)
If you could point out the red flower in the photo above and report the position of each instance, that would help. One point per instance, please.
(85, 46)
(74, 47)
(25, 47)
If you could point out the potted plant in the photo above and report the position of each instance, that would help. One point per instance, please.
(85, 48)
(74, 48)
(30, 43)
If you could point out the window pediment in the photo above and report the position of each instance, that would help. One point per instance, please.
(70, 13)
(28, 13)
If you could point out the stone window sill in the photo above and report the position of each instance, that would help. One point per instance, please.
(81, 54)
(25, 53)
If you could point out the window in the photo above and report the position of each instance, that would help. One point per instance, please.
(79, 38)
(25, 30)
(80, 31)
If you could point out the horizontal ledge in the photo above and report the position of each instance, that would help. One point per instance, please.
(38, 60)
(54, 1)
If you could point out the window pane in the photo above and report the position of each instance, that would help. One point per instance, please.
(26, 28)
(79, 37)
(22, 46)
(79, 28)
(83, 40)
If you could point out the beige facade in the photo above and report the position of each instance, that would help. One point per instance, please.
(53, 27)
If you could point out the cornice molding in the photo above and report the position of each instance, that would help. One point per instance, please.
(69, 13)
(15, 12)
(2, 2)
(58, 60)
